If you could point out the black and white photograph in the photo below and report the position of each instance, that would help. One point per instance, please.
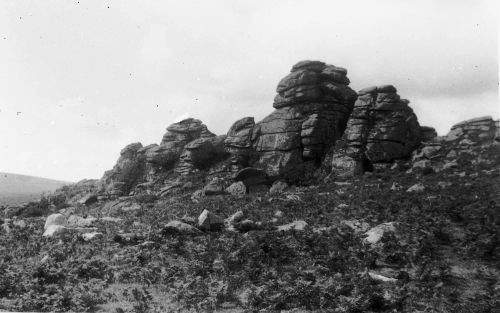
(242, 156)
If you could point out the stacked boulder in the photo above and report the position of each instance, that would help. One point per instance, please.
(165, 156)
(127, 172)
(239, 143)
(312, 106)
(382, 128)
(187, 146)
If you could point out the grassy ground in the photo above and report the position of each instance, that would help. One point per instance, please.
(444, 256)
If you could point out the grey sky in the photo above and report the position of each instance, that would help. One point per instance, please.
(81, 79)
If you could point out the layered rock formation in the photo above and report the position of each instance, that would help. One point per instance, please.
(188, 145)
(127, 172)
(464, 138)
(382, 128)
(312, 107)
(476, 129)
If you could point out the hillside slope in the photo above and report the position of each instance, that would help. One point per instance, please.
(16, 189)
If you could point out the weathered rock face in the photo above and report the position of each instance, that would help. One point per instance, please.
(239, 143)
(382, 128)
(427, 133)
(464, 138)
(477, 129)
(313, 105)
(127, 172)
(201, 153)
(178, 135)
(188, 145)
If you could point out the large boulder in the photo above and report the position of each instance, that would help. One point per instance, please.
(312, 106)
(55, 219)
(382, 128)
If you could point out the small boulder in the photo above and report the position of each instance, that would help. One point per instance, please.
(209, 221)
(296, 225)
(235, 218)
(215, 187)
(53, 230)
(178, 227)
(375, 234)
(416, 188)
(357, 226)
(55, 219)
(237, 189)
(92, 236)
(246, 226)
(278, 187)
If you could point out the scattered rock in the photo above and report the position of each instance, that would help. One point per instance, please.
(396, 186)
(178, 227)
(235, 218)
(237, 189)
(92, 236)
(246, 226)
(55, 220)
(278, 187)
(375, 234)
(215, 187)
(357, 226)
(416, 188)
(208, 221)
(444, 185)
(297, 225)
(381, 278)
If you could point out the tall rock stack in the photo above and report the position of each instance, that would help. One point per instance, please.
(382, 128)
(239, 143)
(313, 105)
(128, 171)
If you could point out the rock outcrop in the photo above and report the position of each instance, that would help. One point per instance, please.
(382, 128)
(477, 129)
(313, 105)
(186, 147)
(464, 138)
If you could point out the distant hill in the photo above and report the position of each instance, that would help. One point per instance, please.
(16, 189)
